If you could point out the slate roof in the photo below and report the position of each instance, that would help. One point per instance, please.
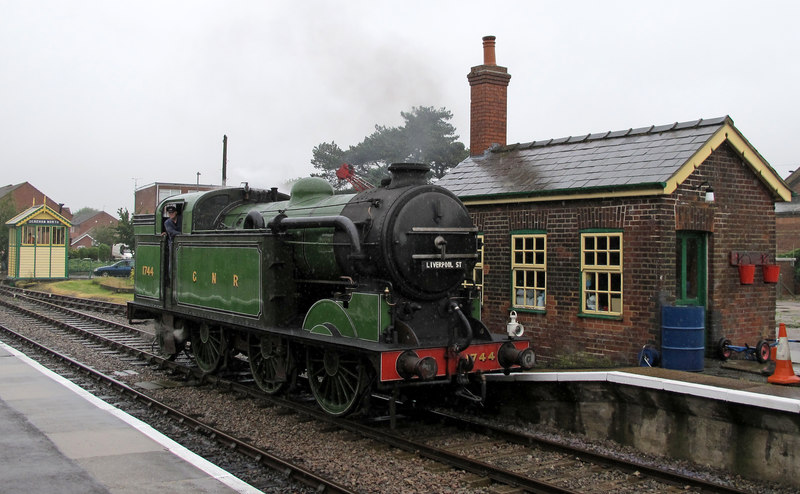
(82, 216)
(610, 160)
(7, 189)
(788, 208)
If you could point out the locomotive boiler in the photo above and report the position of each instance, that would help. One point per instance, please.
(355, 292)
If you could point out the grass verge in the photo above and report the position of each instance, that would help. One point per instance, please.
(96, 288)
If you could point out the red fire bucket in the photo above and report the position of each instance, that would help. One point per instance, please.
(771, 273)
(747, 273)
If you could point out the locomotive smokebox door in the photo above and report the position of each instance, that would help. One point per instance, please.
(417, 235)
(431, 243)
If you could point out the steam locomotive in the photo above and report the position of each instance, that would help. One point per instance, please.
(357, 293)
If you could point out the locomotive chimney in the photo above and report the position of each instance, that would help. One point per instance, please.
(404, 174)
(488, 101)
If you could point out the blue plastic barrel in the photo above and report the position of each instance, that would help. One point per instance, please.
(683, 331)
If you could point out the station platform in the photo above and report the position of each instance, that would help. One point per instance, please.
(698, 384)
(709, 383)
(736, 423)
(57, 437)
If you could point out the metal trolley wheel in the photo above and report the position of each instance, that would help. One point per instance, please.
(723, 348)
(336, 380)
(763, 351)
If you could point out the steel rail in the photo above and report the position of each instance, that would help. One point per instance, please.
(290, 470)
(524, 439)
(476, 467)
(442, 456)
(100, 305)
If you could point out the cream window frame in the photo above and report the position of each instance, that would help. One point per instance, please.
(529, 270)
(601, 273)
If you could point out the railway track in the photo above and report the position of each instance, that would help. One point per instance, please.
(287, 469)
(497, 460)
(66, 301)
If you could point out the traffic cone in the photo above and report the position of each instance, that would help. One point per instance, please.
(784, 373)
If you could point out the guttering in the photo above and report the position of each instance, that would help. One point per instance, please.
(599, 192)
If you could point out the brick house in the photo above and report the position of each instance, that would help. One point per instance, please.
(85, 223)
(787, 230)
(148, 197)
(587, 237)
(788, 217)
(24, 195)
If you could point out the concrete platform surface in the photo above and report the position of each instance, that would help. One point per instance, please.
(56, 437)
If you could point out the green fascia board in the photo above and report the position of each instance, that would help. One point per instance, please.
(655, 187)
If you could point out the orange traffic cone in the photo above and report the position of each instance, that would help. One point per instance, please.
(784, 373)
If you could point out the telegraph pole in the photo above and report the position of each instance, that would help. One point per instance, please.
(224, 159)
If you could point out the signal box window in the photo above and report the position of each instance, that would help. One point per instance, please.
(601, 273)
(28, 235)
(43, 235)
(58, 235)
(528, 270)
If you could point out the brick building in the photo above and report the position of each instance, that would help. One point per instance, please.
(586, 238)
(84, 226)
(787, 217)
(24, 195)
(148, 197)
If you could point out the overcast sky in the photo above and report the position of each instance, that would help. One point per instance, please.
(100, 97)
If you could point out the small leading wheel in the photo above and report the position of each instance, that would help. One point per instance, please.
(723, 347)
(336, 380)
(763, 351)
(208, 346)
(270, 362)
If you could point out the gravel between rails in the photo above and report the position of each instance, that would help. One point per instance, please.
(352, 461)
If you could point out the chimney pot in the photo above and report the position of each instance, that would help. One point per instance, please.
(488, 51)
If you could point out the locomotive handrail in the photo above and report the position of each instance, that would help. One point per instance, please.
(442, 229)
(281, 223)
(446, 256)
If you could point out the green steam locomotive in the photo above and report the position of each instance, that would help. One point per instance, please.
(354, 292)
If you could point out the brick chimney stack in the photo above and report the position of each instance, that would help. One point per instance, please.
(488, 101)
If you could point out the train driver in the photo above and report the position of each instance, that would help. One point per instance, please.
(172, 227)
(173, 223)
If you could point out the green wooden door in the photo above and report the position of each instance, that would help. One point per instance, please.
(691, 268)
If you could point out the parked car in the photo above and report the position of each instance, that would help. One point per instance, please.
(120, 268)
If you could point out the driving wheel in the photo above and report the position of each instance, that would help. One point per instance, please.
(270, 362)
(208, 346)
(336, 379)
